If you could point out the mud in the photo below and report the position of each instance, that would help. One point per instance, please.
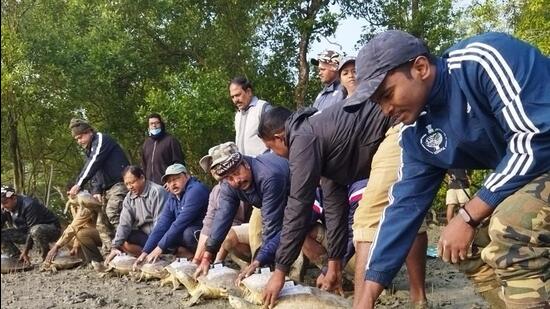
(84, 288)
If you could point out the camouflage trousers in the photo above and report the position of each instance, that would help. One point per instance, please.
(512, 251)
(108, 218)
(41, 234)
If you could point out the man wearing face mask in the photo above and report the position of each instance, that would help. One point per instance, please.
(159, 150)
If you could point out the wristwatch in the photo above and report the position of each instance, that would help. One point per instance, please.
(467, 218)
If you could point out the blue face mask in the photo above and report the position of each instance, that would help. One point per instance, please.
(156, 131)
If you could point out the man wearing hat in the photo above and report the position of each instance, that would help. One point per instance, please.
(261, 181)
(34, 224)
(327, 65)
(335, 149)
(181, 218)
(105, 161)
(484, 105)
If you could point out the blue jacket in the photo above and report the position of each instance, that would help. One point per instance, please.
(489, 109)
(269, 192)
(329, 96)
(179, 213)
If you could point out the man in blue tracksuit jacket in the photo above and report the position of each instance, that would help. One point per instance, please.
(484, 105)
(181, 218)
(263, 182)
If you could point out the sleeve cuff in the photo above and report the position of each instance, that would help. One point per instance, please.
(491, 198)
(283, 268)
(383, 278)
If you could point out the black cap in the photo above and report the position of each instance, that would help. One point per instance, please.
(382, 53)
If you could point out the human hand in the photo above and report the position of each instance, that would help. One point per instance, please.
(51, 254)
(249, 270)
(154, 255)
(202, 269)
(455, 240)
(74, 250)
(114, 252)
(24, 257)
(98, 197)
(320, 280)
(332, 281)
(273, 288)
(139, 261)
(74, 191)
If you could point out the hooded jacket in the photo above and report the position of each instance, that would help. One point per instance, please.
(335, 148)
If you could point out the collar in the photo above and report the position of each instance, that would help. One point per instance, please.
(332, 86)
(18, 204)
(253, 102)
(89, 147)
(438, 92)
(250, 162)
(145, 191)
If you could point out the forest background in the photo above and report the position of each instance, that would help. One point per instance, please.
(114, 62)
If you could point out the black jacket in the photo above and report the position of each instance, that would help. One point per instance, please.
(105, 161)
(158, 154)
(29, 212)
(335, 148)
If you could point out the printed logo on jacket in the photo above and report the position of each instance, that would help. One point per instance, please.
(435, 141)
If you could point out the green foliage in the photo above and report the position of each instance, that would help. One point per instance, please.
(427, 19)
(533, 24)
(114, 62)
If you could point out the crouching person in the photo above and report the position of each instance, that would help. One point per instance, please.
(262, 182)
(82, 231)
(34, 223)
(180, 221)
(141, 209)
(236, 243)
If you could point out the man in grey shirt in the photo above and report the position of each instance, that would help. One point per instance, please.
(140, 210)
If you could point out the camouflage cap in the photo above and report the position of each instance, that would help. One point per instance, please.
(326, 56)
(221, 159)
(7, 191)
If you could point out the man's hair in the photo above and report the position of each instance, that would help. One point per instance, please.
(134, 170)
(241, 81)
(405, 68)
(273, 122)
(157, 115)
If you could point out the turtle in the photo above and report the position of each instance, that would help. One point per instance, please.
(291, 296)
(120, 265)
(218, 283)
(12, 264)
(181, 272)
(157, 269)
(63, 260)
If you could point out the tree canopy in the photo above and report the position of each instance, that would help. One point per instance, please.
(114, 62)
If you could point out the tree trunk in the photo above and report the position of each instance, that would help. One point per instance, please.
(15, 151)
(303, 70)
(303, 46)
